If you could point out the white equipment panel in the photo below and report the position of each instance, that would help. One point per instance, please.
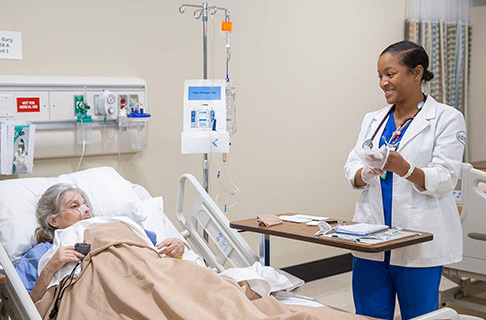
(49, 102)
(205, 117)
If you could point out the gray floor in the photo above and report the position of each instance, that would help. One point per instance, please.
(336, 291)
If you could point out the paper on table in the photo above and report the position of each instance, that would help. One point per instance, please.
(401, 234)
(293, 219)
(309, 217)
(302, 218)
(361, 229)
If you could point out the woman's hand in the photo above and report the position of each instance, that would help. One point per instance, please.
(171, 247)
(400, 166)
(62, 256)
(396, 164)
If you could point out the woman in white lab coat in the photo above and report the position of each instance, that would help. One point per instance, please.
(421, 165)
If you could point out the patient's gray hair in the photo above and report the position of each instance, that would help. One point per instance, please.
(50, 205)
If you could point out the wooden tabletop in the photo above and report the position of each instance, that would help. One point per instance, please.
(303, 232)
(480, 165)
(2, 278)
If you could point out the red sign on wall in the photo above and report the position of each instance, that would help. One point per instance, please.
(28, 104)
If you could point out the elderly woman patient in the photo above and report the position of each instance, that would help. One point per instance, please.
(61, 206)
(124, 277)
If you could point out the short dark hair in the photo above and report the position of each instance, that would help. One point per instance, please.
(411, 54)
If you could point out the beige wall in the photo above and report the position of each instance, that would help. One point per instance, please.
(306, 74)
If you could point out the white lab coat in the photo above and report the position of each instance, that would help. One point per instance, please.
(434, 142)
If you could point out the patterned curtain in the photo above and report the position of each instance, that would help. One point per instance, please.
(442, 27)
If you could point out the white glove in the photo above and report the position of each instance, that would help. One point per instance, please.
(368, 174)
(374, 157)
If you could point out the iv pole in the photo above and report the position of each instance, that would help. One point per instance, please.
(203, 11)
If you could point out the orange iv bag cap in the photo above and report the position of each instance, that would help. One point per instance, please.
(226, 26)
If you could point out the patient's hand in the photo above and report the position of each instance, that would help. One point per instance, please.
(62, 256)
(171, 247)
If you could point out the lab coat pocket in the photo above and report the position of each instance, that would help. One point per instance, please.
(430, 220)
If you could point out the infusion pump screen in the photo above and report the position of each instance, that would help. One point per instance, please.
(204, 93)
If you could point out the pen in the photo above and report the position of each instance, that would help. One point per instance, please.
(344, 237)
(331, 221)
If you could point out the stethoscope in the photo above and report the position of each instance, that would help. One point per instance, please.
(393, 143)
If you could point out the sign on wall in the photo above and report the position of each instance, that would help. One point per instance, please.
(10, 45)
(28, 104)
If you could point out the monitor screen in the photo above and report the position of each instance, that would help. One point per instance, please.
(204, 93)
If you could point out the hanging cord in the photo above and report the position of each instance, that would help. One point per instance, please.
(227, 71)
(233, 190)
(228, 55)
(208, 130)
(106, 130)
(122, 118)
(85, 95)
(62, 288)
(84, 145)
(119, 149)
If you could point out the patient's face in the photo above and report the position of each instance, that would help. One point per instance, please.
(70, 214)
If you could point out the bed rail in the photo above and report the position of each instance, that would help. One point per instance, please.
(16, 302)
(473, 219)
(208, 229)
(470, 273)
(445, 314)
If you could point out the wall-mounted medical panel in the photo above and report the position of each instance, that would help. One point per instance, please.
(23, 105)
(62, 105)
(52, 104)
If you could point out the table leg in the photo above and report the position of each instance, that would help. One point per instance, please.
(265, 249)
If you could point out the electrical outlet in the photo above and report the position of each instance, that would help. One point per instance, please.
(123, 100)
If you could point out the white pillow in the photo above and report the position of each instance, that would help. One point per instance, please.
(109, 193)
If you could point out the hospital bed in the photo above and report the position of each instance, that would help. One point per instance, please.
(110, 196)
(203, 224)
(470, 273)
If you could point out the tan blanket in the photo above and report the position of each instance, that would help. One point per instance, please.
(123, 278)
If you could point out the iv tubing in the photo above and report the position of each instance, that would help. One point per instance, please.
(84, 145)
(82, 131)
(119, 149)
(237, 190)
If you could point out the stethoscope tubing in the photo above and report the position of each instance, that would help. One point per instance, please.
(397, 133)
(420, 106)
(382, 121)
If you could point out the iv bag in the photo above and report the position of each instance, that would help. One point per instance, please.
(231, 107)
